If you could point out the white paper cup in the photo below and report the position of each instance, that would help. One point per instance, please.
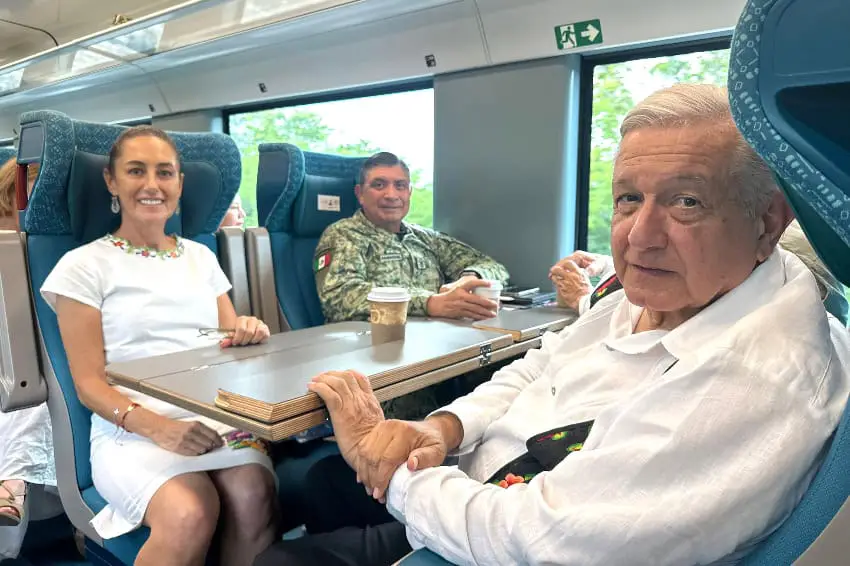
(493, 292)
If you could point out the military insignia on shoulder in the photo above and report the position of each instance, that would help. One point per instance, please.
(322, 262)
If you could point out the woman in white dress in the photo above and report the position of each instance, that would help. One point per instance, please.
(140, 292)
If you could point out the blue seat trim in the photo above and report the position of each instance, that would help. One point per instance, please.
(125, 547)
(424, 557)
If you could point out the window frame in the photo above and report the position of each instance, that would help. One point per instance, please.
(585, 123)
(136, 122)
(329, 96)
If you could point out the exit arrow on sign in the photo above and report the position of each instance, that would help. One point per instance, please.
(590, 33)
(578, 34)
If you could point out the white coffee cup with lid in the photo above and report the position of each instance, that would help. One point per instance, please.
(388, 313)
(388, 295)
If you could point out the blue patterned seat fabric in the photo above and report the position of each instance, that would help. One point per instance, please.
(7, 153)
(69, 207)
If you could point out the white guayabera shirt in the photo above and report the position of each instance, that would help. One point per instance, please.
(704, 438)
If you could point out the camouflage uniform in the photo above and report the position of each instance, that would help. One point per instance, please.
(354, 255)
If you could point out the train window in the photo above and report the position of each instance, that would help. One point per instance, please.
(616, 88)
(400, 122)
(11, 80)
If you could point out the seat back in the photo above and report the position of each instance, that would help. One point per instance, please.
(21, 384)
(69, 207)
(789, 101)
(299, 194)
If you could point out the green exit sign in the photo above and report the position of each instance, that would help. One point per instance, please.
(579, 34)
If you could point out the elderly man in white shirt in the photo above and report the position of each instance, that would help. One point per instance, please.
(679, 421)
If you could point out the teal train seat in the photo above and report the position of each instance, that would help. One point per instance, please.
(299, 194)
(7, 153)
(789, 86)
(69, 207)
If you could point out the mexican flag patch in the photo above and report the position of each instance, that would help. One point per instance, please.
(322, 262)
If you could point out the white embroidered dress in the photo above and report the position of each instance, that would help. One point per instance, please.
(151, 304)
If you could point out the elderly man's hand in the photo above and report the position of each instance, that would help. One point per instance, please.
(391, 444)
(371, 445)
(571, 276)
(353, 407)
(571, 283)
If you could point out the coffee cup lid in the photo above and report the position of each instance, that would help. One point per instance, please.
(494, 284)
(389, 295)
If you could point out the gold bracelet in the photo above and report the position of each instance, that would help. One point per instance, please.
(127, 412)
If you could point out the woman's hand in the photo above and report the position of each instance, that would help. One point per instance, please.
(187, 438)
(248, 330)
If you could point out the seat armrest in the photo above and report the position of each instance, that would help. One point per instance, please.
(231, 251)
(21, 383)
(261, 279)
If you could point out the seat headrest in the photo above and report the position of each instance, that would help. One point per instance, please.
(790, 105)
(280, 167)
(7, 153)
(302, 193)
(70, 196)
(321, 202)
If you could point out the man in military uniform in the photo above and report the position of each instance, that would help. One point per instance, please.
(376, 248)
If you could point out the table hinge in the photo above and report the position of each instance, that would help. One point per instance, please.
(485, 353)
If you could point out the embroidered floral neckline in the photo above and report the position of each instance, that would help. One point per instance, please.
(145, 251)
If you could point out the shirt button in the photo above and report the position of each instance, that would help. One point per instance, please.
(553, 391)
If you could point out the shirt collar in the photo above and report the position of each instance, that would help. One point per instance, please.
(620, 336)
(757, 291)
(361, 219)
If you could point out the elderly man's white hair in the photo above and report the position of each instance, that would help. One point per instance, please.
(795, 241)
(695, 104)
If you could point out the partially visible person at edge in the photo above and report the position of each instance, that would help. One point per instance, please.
(659, 428)
(235, 215)
(571, 276)
(377, 248)
(27, 469)
(140, 292)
